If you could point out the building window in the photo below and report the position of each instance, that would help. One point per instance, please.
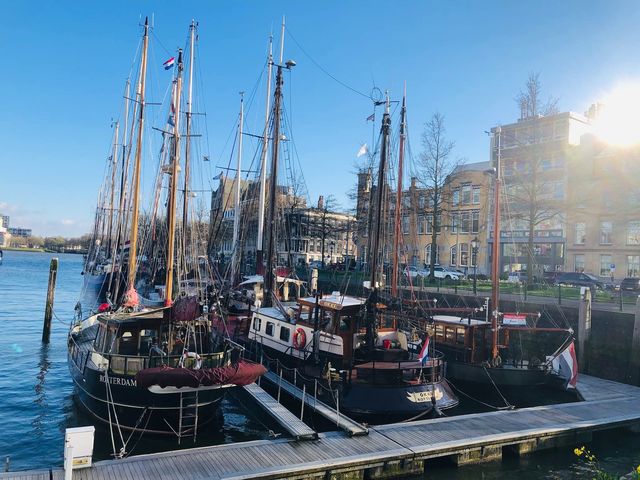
(405, 225)
(466, 194)
(438, 224)
(475, 222)
(454, 255)
(455, 199)
(455, 218)
(429, 224)
(633, 233)
(606, 229)
(633, 265)
(605, 265)
(476, 195)
(465, 222)
(464, 254)
(421, 202)
(578, 263)
(420, 225)
(581, 233)
(428, 254)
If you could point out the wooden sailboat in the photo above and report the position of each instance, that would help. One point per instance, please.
(157, 370)
(479, 350)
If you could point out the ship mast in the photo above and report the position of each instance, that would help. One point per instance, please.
(173, 185)
(187, 146)
(114, 167)
(495, 252)
(133, 244)
(375, 245)
(263, 166)
(236, 216)
(398, 230)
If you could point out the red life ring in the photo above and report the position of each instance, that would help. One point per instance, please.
(299, 339)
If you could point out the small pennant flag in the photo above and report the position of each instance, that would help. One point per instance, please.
(371, 118)
(169, 63)
(363, 150)
(424, 353)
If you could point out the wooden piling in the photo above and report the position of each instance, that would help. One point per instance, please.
(48, 309)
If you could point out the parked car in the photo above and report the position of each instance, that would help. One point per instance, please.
(414, 272)
(315, 264)
(630, 284)
(520, 276)
(580, 280)
(447, 273)
(551, 276)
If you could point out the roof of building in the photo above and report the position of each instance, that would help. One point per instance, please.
(475, 167)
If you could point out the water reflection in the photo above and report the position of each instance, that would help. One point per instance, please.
(40, 400)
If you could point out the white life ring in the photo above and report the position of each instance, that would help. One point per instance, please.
(186, 355)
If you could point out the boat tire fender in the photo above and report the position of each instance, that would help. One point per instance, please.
(299, 339)
(197, 357)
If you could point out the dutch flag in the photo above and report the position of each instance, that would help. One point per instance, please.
(424, 353)
(169, 63)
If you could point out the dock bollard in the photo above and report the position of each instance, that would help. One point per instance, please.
(48, 308)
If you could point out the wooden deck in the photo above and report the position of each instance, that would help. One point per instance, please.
(389, 450)
(342, 421)
(287, 420)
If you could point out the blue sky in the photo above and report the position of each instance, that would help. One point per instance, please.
(65, 64)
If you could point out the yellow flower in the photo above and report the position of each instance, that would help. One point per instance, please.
(579, 452)
(638, 469)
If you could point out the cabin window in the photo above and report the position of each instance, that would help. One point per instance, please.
(284, 334)
(257, 321)
(270, 328)
(128, 344)
(449, 335)
(439, 333)
(460, 336)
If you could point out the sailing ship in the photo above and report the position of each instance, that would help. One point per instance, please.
(155, 369)
(346, 344)
(484, 345)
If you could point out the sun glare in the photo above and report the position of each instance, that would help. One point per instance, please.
(617, 120)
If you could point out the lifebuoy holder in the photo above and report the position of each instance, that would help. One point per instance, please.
(299, 339)
(194, 355)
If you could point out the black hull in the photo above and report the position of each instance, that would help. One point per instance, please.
(505, 376)
(137, 408)
(377, 403)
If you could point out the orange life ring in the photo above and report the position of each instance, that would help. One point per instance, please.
(299, 339)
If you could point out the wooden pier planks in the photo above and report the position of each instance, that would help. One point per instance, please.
(608, 404)
(343, 422)
(292, 424)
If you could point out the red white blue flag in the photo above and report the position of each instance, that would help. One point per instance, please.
(424, 353)
(169, 63)
(565, 365)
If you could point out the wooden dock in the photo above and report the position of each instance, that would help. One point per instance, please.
(287, 420)
(342, 421)
(389, 450)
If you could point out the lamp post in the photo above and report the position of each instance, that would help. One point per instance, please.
(474, 257)
(332, 246)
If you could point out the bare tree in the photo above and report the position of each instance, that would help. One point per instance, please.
(320, 224)
(530, 187)
(436, 165)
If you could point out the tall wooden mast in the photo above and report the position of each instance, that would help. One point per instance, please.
(377, 228)
(187, 144)
(133, 244)
(398, 229)
(495, 251)
(173, 186)
(236, 217)
(114, 168)
(271, 217)
(263, 166)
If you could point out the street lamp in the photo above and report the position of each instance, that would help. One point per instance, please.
(475, 243)
(332, 245)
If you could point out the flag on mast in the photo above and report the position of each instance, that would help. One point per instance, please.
(169, 63)
(565, 365)
(372, 117)
(364, 149)
(424, 353)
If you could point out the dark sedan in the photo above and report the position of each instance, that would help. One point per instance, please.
(630, 284)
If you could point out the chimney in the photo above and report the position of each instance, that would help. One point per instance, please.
(414, 181)
(320, 202)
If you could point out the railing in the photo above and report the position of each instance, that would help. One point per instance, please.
(132, 364)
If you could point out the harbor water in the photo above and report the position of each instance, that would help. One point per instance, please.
(37, 402)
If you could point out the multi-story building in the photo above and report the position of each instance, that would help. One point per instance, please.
(535, 154)
(603, 210)
(462, 219)
(19, 232)
(4, 221)
(302, 231)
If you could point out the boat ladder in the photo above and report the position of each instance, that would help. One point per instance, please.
(188, 416)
